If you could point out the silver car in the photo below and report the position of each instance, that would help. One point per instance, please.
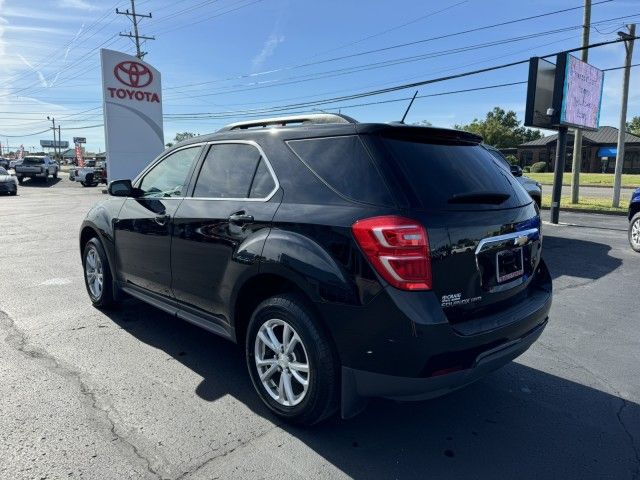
(8, 183)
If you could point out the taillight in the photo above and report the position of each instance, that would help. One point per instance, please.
(398, 248)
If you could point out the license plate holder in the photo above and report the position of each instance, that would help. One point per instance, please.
(509, 264)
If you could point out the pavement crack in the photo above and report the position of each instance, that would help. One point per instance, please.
(569, 361)
(209, 460)
(17, 339)
(632, 441)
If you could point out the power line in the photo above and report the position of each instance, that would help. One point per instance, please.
(365, 67)
(425, 40)
(422, 82)
(190, 24)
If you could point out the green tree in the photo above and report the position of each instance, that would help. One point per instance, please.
(168, 145)
(634, 125)
(183, 136)
(501, 129)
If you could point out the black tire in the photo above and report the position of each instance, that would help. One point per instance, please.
(88, 179)
(55, 175)
(46, 178)
(84, 184)
(20, 180)
(106, 298)
(14, 192)
(321, 398)
(634, 223)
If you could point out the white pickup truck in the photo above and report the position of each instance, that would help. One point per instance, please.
(90, 175)
(36, 167)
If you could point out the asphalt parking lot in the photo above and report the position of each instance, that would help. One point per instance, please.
(138, 394)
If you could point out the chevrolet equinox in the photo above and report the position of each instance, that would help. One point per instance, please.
(352, 260)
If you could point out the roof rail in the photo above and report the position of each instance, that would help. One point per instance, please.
(311, 119)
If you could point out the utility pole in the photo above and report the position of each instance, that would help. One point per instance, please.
(577, 139)
(135, 35)
(53, 122)
(622, 130)
(59, 143)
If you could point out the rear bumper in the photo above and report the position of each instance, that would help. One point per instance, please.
(359, 384)
(402, 345)
(32, 174)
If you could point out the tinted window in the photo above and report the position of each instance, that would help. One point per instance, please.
(263, 183)
(437, 172)
(344, 164)
(33, 161)
(169, 177)
(503, 161)
(3, 171)
(234, 170)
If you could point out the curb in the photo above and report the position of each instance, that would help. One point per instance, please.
(584, 210)
(590, 186)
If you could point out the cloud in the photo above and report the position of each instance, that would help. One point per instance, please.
(43, 81)
(79, 4)
(268, 49)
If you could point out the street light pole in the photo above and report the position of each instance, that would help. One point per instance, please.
(617, 179)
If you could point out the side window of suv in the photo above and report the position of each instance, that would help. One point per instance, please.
(169, 177)
(344, 164)
(234, 170)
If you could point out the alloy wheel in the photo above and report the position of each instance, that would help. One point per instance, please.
(282, 362)
(635, 233)
(94, 273)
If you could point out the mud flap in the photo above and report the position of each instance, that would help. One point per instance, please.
(351, 403)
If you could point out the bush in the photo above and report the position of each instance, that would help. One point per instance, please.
(526, 169)
(539, 167)
(512, 159)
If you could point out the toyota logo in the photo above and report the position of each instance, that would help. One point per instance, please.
(133, 74)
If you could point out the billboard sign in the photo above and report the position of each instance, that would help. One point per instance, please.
(52, 144)
(582, 94)
(79, 140)
(132, 97)
(542, 74)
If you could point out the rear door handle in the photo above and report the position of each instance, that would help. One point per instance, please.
(162, 219)
(240, 218)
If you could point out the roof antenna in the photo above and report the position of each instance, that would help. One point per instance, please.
(409, 107)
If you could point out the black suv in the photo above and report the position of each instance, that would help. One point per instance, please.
(351, 260)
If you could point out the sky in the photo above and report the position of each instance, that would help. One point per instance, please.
(221, 60)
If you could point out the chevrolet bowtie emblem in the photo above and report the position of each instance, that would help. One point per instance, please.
(521, 240)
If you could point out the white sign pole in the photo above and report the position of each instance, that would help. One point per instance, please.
(132, 106)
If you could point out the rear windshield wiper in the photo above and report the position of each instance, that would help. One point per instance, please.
(493, 198)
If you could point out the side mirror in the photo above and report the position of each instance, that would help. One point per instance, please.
(516, 170)
(123, 188)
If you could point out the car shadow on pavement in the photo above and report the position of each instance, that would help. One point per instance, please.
(38, 182)
(578, 258)
(519, 422)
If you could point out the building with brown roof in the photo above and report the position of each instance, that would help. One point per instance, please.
(598, 151)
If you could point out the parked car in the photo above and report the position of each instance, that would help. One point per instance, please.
(8, 183)
(533, 188)
(4, 163)
(351, 260)
(37, 167)
(634, 220)
(92, 174)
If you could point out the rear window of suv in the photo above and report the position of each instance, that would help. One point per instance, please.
(344, 164)
(436, 173)
(33, 161)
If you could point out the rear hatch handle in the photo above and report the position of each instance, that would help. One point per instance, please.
(517, 239)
